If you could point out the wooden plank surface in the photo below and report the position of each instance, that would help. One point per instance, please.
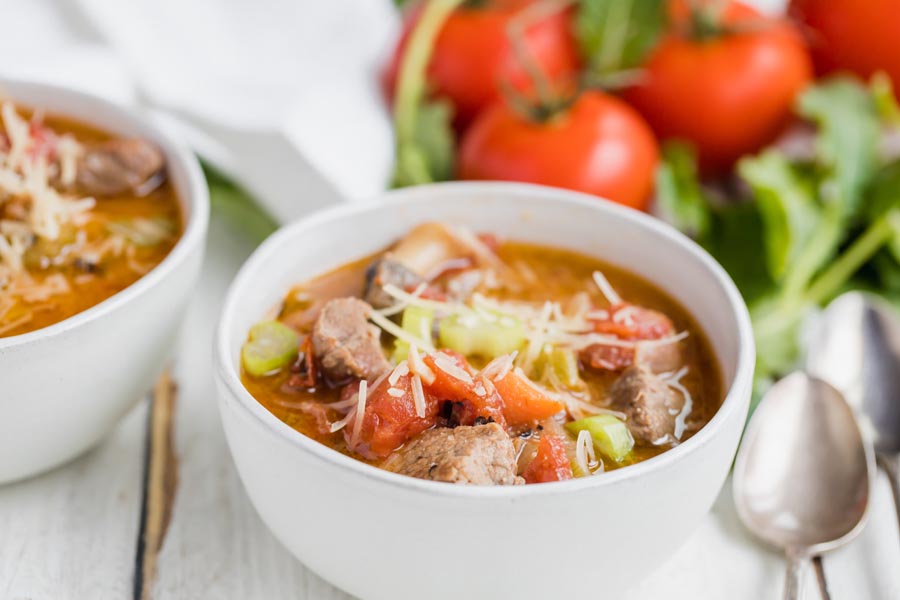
(216, 545)
(71, 533)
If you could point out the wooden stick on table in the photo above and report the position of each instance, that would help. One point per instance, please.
(160, 484)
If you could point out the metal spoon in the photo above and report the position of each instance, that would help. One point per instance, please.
(803, 473)
(855, 346)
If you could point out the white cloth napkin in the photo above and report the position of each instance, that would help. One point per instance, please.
(283, 94)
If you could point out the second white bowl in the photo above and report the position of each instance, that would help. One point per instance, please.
(385, 536)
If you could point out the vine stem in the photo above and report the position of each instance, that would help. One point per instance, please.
(414, 66)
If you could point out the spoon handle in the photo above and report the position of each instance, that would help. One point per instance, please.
(890, 464)
(793, 581)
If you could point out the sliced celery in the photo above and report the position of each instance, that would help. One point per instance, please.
(270, 346)
(564, 363)
(418, 321)
(611, 437)
(487, 335)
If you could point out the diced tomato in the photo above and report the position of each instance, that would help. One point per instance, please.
(390, 420)
(551, 463)
(305, 371)
(631, 322)
(478, 399)
(523, 401)
(626, 322)
(431, 292)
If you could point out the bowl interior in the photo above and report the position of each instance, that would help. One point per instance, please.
(182, 168)
(551, 217)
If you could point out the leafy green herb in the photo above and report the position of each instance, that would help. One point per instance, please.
(237, 206)
(812, 229)
(616, 35)
(787, 205)
(679, 198)
(885, 100)
(425, 144)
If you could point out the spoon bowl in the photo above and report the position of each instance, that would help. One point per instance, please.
(804, 471)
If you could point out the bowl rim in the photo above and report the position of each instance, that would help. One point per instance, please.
(194, 201)
(736, 398)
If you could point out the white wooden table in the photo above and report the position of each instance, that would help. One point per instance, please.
(74, 533)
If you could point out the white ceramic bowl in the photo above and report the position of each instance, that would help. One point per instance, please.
(384, 536)
(64, 387)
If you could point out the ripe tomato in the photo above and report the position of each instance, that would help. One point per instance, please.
(473, 55)
(729, 94)
(598, 145)
(859, 35)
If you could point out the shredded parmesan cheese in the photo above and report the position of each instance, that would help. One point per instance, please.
(449, 366)
(360, 413)
(397, 331)
(398, 372)
(418, 367)
(585, 457)
(607, 289)
(418, 396)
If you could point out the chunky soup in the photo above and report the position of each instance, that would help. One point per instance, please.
(83, 215)
(468, 359)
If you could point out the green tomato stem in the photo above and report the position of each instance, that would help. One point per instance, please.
(414, 67)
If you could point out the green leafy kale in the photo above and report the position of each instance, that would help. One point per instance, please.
(812, 227)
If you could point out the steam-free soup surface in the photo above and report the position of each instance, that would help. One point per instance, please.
(533, 364)
(83, 215)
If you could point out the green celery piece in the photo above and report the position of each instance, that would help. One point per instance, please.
(418, 321)
(270, 346)
(788, 208)
(564, 363)
(488, 336)
(611, 437)
(679, 197)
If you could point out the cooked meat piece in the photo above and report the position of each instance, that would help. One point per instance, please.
(345, 344)
(120, 166)
(385, 271)
(647, 401)
(659, 358)
(478, 455)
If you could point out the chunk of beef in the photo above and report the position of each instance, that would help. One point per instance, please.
(388, 271)
(649, 403)
(120, 166)
(479, 455)
(346, 345)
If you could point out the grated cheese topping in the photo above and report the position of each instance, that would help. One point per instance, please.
(32, 159)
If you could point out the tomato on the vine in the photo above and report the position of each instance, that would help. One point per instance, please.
(475, 56)
(726, 85)
(857, 35)
(598, 145)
